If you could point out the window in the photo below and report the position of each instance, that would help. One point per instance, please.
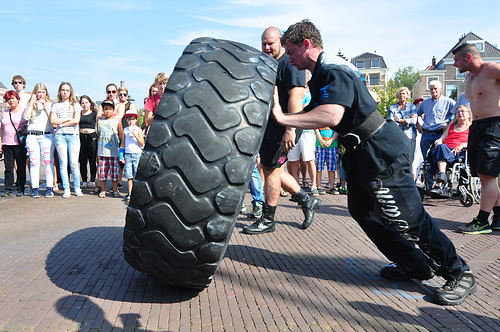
(374, 79)
(360, 64)
(375, 63)
(479, 44)
(460, 75)
(452, 91)
(429, 80)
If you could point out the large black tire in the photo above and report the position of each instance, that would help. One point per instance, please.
(197, 162)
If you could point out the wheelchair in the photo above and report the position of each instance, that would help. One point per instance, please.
(468, 188)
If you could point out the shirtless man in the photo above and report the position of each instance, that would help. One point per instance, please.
(482, 88)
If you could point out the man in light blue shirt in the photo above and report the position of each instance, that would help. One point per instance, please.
(462, 100)
(437, 111)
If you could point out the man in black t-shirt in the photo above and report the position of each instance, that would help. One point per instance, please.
(382, 195)
(278, 140)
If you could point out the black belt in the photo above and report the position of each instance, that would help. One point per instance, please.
(39, 133)
(362, 132)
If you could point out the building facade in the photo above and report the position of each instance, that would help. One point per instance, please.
(372, 66)
(444, 71)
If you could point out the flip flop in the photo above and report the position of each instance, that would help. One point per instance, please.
(116, 194)
(102, 194)
(96, 191)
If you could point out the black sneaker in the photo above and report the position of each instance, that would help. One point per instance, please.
(256, 211)
(261, 226)
(401, 273)
(309, 210)
(495, 224)
(456, 290)
(474, 227)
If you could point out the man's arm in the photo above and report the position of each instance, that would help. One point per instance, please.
(328, 115)
(295, 97)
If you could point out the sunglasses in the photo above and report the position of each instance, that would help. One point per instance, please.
(114, 91)
(123, 94)
(17, 82)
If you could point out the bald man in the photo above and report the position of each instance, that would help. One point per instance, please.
(278, 140)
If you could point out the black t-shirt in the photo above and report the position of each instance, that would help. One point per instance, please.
(336, 81)
(287, 78)
(88, 121)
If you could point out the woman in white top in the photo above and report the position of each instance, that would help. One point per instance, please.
(40, 140)
(66, 116)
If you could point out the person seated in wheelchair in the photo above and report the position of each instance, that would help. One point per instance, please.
(449, 147)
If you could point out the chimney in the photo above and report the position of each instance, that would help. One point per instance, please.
(434, 61)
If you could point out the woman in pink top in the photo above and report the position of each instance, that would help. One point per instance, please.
(14, 152)
(452, 143)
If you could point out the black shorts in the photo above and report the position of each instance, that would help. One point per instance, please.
(484, 146)
(271, 154)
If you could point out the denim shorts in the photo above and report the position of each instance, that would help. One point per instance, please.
(131, 163)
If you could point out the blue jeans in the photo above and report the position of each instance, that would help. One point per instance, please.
(256, 187)
(68, 145)
(131, 164)
(426, 141)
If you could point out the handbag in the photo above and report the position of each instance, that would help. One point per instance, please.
(21, 134)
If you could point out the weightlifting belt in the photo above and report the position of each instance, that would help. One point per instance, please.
(362, 132)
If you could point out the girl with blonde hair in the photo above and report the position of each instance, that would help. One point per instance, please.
(40, 140)
(65, 115)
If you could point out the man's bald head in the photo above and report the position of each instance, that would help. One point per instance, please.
(271, 42)
(271, 32)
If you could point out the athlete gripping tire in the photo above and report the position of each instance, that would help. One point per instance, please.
(197, 162)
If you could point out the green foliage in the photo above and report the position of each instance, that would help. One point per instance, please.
(406, 76)
(387, 97)
(141, 117)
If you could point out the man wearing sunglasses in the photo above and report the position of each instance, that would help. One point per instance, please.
(19, 83)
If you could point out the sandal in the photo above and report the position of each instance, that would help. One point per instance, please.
(102, 194)
(116, 194)
(283, 193)
(96, 191)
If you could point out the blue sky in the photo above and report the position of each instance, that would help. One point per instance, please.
(91, 43)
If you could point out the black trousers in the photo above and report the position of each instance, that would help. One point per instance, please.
(389, 210)
(14, 154)
(88, 155)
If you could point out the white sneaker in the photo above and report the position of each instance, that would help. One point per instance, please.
(67, 193)
(78, 192)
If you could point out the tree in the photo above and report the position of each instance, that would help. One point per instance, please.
(387, 97)
(406, 76)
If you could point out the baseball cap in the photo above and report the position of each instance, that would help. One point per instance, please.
(130, 112)
(108, 102)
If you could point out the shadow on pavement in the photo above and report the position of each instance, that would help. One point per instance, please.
(91, 317)
(90, 262)
(467, 321)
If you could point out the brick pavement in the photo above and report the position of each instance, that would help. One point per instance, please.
(62, 269)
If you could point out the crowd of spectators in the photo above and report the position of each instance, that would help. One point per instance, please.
(73, 138)
(64, 137)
